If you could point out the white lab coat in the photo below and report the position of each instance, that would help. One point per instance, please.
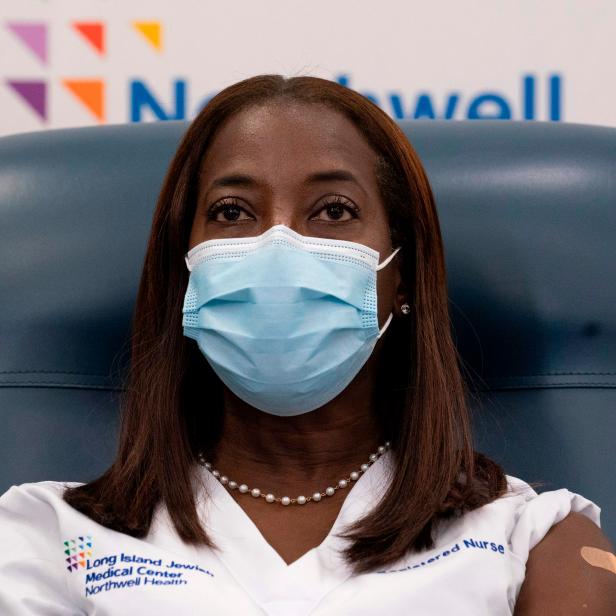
(54, 561)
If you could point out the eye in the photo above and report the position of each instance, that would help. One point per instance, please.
(337, 208)
(228, 210)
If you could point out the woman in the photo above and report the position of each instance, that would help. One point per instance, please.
(295, 437)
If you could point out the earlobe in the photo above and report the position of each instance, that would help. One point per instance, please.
(402, 303)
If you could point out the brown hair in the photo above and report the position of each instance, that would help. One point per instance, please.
(420, 395)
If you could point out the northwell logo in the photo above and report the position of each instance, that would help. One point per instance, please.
(532, 96)
(90, 92)
(77, 551)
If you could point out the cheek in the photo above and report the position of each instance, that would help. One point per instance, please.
(196, 233)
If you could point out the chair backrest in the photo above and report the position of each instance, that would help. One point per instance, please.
(528, 214)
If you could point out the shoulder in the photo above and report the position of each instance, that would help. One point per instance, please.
(31, 493)
(520, 518)
(32, 567)
(551, 532)
(30, 516)
(547, 535)
(533, 514)
(572, 570)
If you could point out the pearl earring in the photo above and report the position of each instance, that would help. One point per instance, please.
(405, 308)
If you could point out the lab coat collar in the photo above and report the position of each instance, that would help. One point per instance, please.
(260, 570)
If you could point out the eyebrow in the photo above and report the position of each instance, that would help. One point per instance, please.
(247, 181)
(336, 175)
(235, 179)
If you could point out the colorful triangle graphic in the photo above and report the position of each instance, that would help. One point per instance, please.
(33, 93)
(33, 36)
(90, 93)
(82, 563)
(151, 32)
(94, 33)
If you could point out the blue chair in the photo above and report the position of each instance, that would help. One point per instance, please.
(528, 213)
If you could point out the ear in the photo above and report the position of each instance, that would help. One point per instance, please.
(403, 295)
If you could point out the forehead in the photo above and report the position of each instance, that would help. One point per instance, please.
(289, 136)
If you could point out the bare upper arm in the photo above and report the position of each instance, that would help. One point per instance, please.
(560, 581)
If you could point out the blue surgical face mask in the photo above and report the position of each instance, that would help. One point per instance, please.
(286, 321)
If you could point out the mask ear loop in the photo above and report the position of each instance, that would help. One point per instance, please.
(388, 260)
(380, 267)
(382, 330)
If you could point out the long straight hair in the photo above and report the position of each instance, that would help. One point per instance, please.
(172, 407)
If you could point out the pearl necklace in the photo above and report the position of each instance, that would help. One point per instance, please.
(300, 500)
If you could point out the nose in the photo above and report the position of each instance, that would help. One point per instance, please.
(283, 214)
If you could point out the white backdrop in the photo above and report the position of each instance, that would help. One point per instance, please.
(78, 62)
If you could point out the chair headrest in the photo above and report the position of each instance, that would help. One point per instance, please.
(528, 213)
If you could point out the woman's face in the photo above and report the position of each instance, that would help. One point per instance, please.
(305, 166)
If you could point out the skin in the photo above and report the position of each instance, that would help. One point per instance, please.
(560, 581)
(258, 172)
